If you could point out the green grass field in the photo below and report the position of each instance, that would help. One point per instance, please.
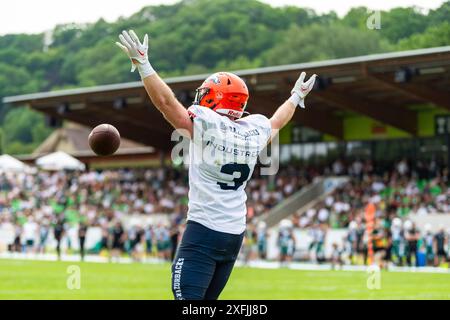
(24, 279)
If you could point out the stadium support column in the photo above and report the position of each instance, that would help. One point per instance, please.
(372, 151)
(447, 141)
(416, 146)
(162, 158)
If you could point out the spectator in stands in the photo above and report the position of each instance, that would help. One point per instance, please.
(356, 169)
(338, 167)
(402, 167)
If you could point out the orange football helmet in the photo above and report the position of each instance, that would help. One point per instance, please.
(223, 92)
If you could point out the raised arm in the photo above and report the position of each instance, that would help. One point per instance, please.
(285, 112)
(158, 91)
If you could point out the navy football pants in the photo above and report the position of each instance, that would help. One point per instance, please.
(203, 262)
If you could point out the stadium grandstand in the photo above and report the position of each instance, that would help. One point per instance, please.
(351, 130)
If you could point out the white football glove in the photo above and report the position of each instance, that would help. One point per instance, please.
(137, 52)
(302, 88)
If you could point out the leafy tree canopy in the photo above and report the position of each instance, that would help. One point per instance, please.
(196, 36)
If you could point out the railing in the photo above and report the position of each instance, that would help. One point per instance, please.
(302, 200)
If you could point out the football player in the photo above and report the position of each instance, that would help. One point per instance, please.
(223, 150)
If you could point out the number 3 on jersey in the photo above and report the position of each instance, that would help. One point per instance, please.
(231, 168)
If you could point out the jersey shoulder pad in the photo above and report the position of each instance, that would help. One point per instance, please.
(261, 122)
(199, 112)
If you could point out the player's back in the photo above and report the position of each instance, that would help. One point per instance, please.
(223, 154)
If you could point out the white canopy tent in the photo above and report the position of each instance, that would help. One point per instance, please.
(8, 163)
(59, 161)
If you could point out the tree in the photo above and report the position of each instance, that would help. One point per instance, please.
(356, 18)
(440, 14)
(23, 129)
(319, 42)
(434, 36)
(400, 23)
(192, 37)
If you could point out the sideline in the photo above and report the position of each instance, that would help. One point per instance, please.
(251, 264)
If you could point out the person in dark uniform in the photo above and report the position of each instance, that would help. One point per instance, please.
(261, 239)
(350, 240)
(380, 244)
(131, 240)
(174, 234)
(149, 240)
(429, 245)
(117, 237)
(82, 231)
(336, 257)
(359, 243)
(140, 233)
(17, 245)
(105, 238)
(412, 236)
(440, 240)
(58, 231)
(138, 244)
(388, 254)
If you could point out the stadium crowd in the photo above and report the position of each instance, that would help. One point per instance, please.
(396, 191)
(35, 204)
(43, 202)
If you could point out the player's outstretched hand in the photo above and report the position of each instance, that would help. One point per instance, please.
(302, 88)
(136, 51)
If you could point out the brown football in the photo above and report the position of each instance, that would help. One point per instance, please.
(104, 139)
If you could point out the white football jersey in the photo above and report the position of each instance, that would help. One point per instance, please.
(222, 156)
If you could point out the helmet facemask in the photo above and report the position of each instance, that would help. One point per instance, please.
(200, 93)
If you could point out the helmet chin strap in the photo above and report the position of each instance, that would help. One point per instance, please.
(230, 113)
(230, 117)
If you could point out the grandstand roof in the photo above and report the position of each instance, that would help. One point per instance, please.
(386, 87)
